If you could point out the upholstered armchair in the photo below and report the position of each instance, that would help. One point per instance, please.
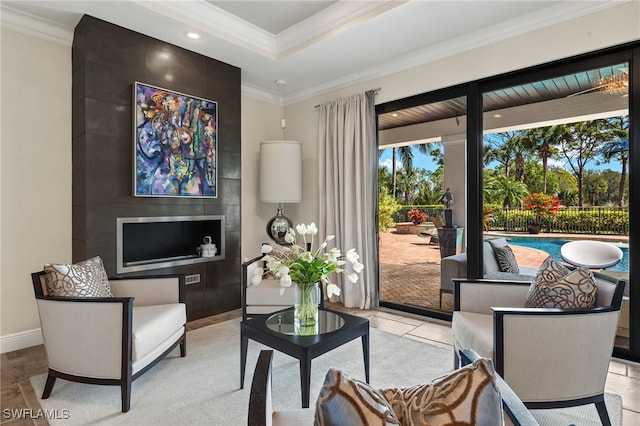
(261, 409)
(550, 357)
(111, 340)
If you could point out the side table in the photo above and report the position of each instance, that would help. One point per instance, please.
(276, 331)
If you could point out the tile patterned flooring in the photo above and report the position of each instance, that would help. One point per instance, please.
(16, 367)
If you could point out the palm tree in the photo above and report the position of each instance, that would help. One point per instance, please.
(405, 155)
(619, 149)
(503, 148)
(542, 140)
(507, 191)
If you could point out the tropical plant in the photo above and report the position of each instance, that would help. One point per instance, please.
(505, 191)
(387, 206)
(543, 205)
(487, 216)
(417, 216)
(543, 141)
(619, 149)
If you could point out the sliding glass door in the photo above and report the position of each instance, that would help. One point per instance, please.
(542, 156)
(422, 200)
(556, 169)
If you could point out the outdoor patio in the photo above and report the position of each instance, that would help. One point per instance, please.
(410, 268)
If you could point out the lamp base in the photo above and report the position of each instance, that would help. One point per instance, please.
(278, 226)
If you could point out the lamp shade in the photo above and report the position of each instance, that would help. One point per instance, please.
(280, 172)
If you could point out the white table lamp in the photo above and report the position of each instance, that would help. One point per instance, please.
(280, 182)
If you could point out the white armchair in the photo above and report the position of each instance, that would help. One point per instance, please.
(551, 358)
(111, 340)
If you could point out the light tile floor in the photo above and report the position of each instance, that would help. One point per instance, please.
(16, 367)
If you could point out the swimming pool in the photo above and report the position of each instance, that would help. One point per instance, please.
(552, 246)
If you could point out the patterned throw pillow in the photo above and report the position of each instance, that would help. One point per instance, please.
(506, 259)
(468, 396)
(346, 401)
(555, 286)
(83, 279)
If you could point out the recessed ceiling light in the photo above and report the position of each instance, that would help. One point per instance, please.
(194, 36)
(497, 115)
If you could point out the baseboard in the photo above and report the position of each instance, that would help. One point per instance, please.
(25, 339)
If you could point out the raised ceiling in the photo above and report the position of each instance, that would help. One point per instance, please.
(313, 46)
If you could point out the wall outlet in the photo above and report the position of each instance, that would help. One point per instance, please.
(192, 279)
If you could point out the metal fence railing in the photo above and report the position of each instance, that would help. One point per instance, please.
(570, 220)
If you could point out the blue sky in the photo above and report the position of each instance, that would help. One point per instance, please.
(425, 162)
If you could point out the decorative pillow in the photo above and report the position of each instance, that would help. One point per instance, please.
(555, 286)
(83, 279)
(468, 396)
(506, 259)
(346, 401)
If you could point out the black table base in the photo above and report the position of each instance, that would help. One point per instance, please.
(303, 348)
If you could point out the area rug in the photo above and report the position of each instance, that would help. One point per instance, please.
(579, 416)
(204, 387)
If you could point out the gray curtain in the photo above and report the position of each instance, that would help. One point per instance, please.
(347, 188)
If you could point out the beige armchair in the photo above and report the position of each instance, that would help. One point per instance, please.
(551, 358)
(111, 340)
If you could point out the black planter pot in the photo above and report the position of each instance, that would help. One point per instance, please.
(534, 228)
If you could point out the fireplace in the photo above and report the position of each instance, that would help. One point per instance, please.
(145, 243)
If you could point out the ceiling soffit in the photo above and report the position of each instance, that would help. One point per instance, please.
(217, 22)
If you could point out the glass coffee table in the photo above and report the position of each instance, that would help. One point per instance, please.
(276, 330)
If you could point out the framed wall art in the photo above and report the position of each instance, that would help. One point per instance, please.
(175, 144)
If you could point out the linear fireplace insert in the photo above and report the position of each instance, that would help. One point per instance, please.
(145, 243)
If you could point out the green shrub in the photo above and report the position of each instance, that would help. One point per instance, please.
(387, 206)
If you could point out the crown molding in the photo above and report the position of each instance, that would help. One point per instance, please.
(35, 26)
(261, 94)
(221, 24)
(216, 22)
(334, 19)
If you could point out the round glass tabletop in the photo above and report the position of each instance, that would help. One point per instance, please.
(282, 322)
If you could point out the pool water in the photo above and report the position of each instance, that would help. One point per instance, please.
(552, 246)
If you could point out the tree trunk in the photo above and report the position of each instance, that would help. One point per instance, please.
(623, 178)
(393, 172)
(544, 175)
(580, 190)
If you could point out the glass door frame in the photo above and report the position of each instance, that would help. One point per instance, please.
(473, 91)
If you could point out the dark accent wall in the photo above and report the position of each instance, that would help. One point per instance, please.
(107, 60)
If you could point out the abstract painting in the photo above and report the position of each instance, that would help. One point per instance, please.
(175, 144)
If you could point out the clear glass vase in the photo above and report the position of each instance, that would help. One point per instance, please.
(306, 300)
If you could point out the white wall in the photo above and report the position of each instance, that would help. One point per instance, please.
(260, 122)
(36, 139)
(35, 175)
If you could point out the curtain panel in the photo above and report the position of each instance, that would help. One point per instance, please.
(347, 188)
